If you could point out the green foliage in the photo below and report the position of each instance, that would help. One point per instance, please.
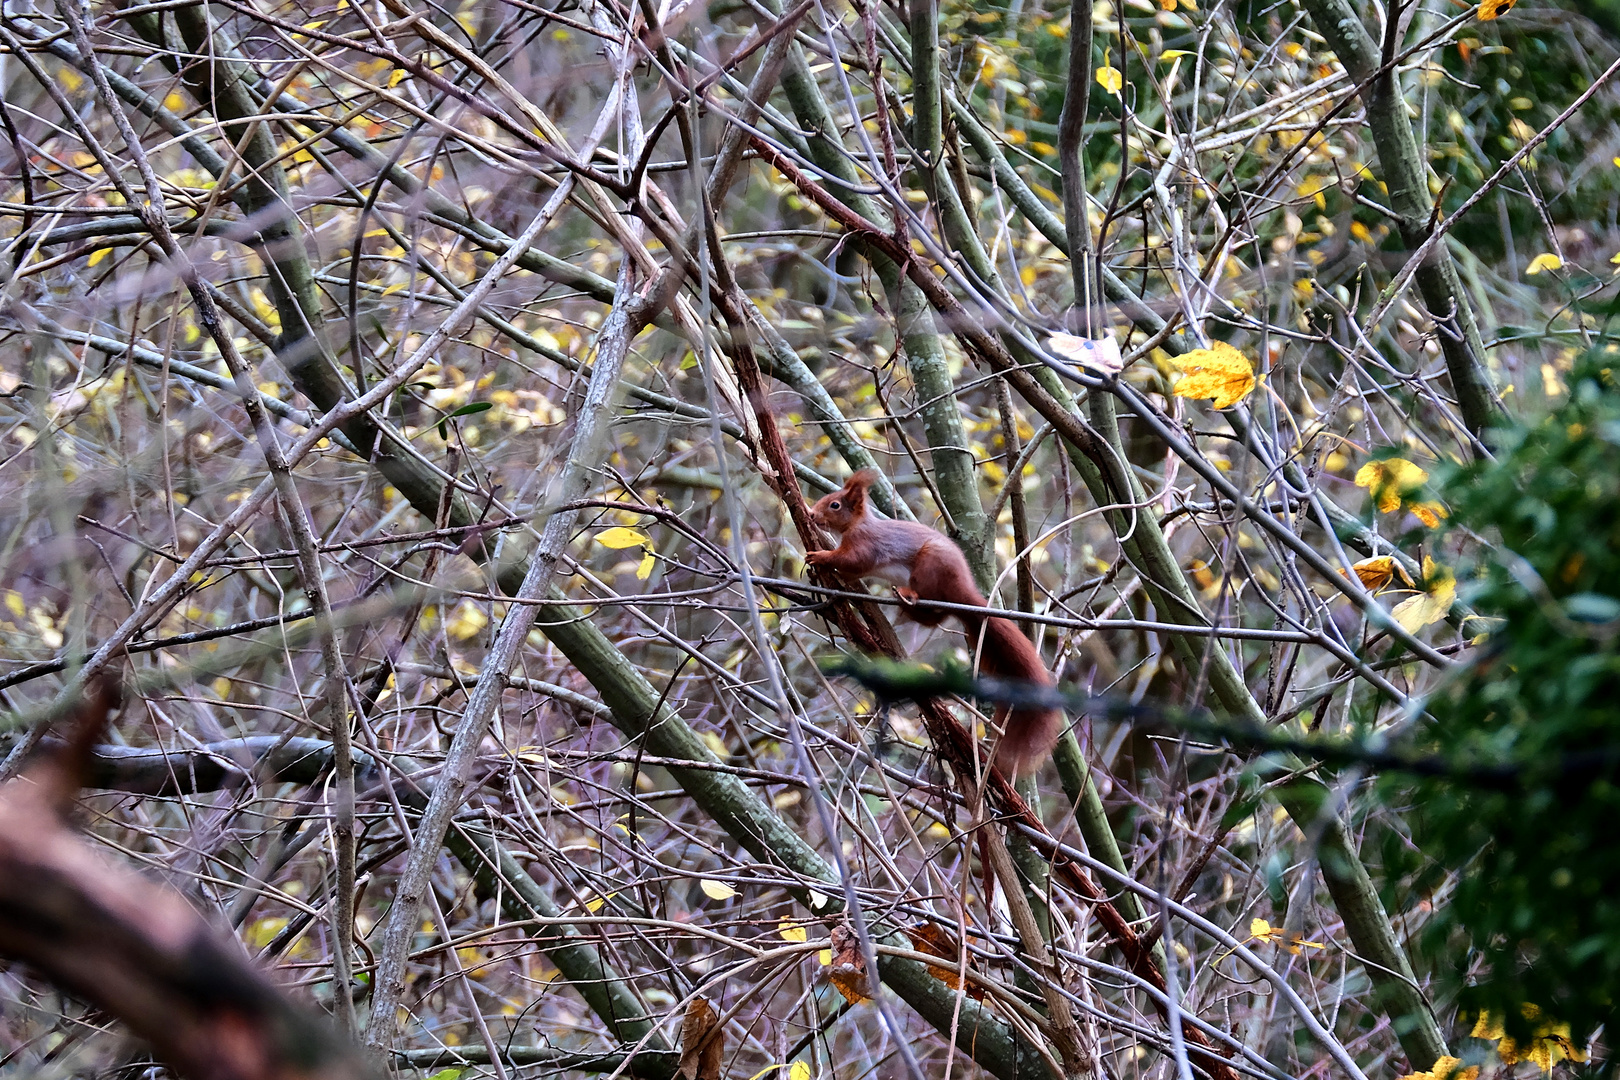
(1528, 875)
(1505, 80)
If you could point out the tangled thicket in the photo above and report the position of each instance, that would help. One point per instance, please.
(416, 406)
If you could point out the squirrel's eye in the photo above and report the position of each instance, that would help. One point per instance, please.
(836, 505)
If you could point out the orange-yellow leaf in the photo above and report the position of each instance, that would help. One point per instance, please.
(1376, 573)
(1220, 372)
(1429, 513)
(1490, 9)
(1545, 261)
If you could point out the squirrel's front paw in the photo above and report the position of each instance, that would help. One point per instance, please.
(816, 558)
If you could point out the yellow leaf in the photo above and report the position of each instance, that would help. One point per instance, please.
(1416, 612)
(262, 932)
(594, 904)
(466, 621)
(1431, 605)
(1109, 78)
(1389, 480)
(799, 1071)
(97, 255)
(1171, 54)
(824, 956)
(1220, 372)
(1490, 9)
(1260, 930)
(620, 537)
(1487, 1027)
(1549, 1043)
(1429, 513)
(644, 568)
(396, 78)
(15, 605)
(1545, 261)
(791, 931)
(716, 890)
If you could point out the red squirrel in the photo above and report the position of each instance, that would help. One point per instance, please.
(925, 565)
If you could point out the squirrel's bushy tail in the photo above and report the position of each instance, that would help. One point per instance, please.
(1028, 734)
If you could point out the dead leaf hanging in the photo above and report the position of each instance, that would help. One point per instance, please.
(702, 1042)
(935, 940)
(847, 970)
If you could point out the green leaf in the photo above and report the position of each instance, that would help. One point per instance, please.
(466, 410)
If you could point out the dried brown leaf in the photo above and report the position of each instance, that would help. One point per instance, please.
(935, 940)
(847, 971)
(702, 1042)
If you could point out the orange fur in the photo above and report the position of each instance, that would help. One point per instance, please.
(924, 565)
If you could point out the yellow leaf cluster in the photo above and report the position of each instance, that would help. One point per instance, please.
(1446, 1068)
(1219, 372)
(1392, 483)
(1549, 1044)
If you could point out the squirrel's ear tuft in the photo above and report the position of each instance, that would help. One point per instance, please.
(863, 479)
